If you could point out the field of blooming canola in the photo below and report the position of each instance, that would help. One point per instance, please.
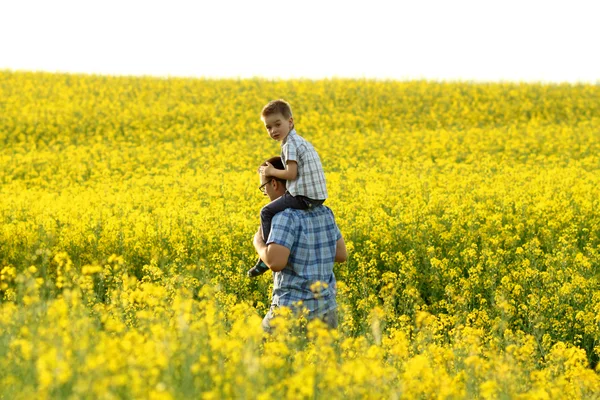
(471, 213)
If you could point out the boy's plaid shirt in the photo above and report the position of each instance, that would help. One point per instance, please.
(310, 181)
(311, 236)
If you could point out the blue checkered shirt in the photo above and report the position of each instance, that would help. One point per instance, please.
(310, 181)
(311, 236)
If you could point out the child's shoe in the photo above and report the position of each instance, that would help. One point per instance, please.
(259, 268)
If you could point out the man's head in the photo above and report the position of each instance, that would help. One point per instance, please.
(277, 117)
(269, 185)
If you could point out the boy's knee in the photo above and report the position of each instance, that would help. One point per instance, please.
(266, 212)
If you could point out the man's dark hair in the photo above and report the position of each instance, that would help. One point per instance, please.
(277, 164)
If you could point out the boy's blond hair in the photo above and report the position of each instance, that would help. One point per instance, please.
(277, 106)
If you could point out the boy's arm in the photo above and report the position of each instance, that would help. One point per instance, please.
(289, 173)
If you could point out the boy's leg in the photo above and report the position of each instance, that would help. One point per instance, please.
(276, 206)
(266, 216)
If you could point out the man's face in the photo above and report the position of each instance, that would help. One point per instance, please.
(272, 187)
(278, 126)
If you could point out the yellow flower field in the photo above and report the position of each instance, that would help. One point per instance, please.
(128, 204)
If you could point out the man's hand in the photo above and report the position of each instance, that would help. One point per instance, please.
(258, 240)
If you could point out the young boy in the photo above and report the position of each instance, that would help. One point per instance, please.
(303, 171)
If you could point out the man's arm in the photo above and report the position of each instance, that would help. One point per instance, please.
(341, 254)
(274, 255)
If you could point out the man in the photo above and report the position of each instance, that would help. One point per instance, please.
(301, 250)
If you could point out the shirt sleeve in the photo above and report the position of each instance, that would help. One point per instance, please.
(338, 233)
(282, 230)
(290, 152)
(336, 229)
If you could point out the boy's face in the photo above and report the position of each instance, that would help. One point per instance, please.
(278, 126)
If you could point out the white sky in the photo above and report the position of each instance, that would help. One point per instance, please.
(526, 40)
